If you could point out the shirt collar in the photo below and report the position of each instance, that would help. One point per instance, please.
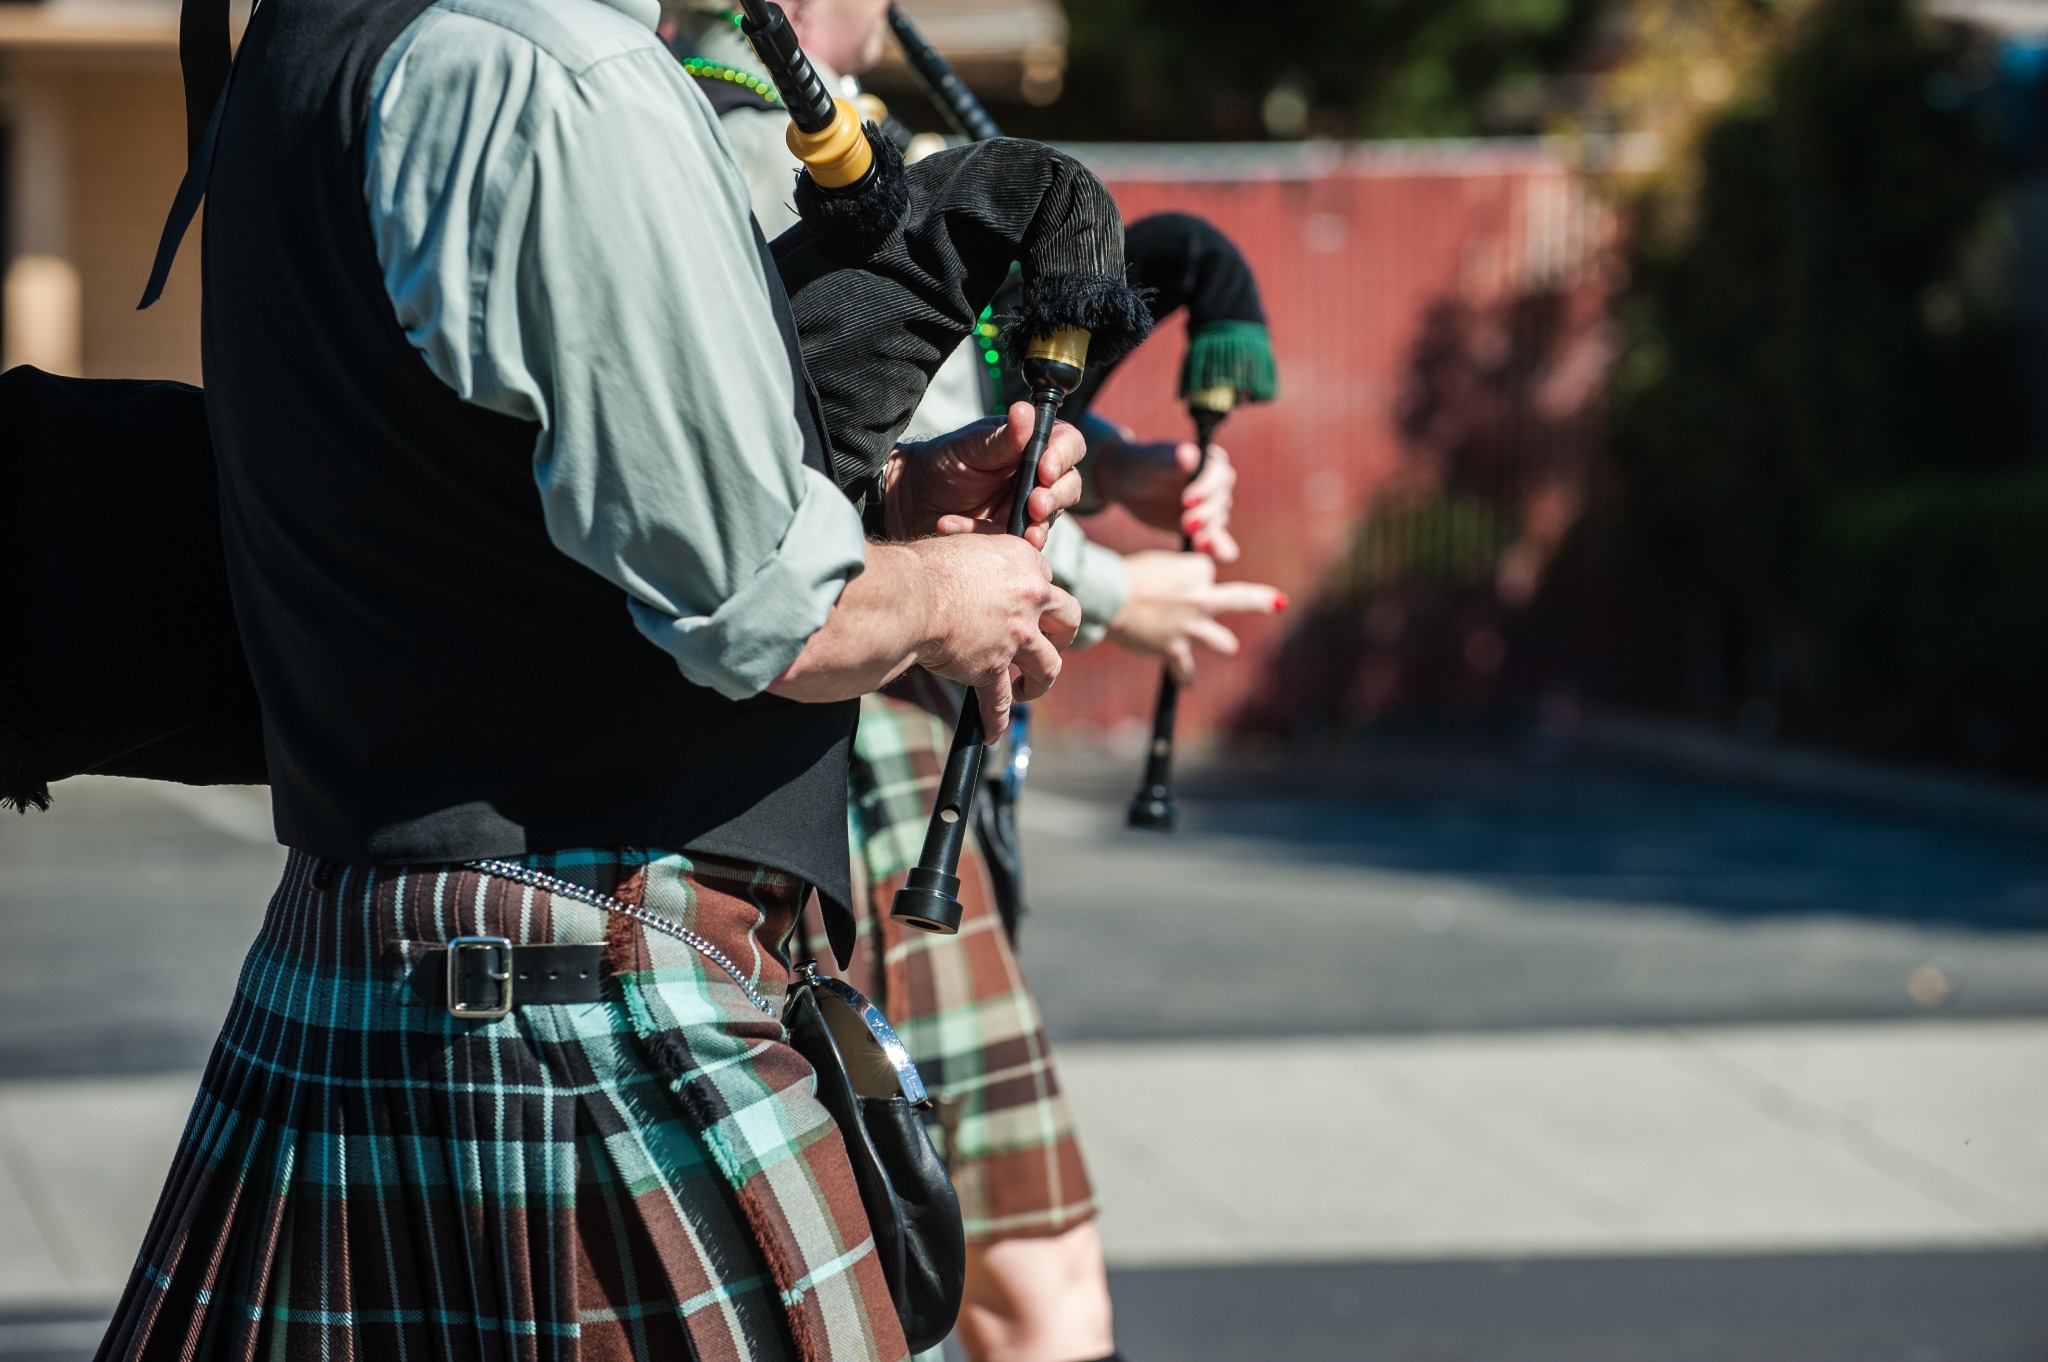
(646, 13)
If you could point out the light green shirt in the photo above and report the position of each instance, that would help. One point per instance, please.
(565, 238)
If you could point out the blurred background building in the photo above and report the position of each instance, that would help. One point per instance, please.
(94, 147)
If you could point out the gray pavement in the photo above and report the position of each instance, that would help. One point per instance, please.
(127, 914)
(1450, 884)
(1768, 1139)
(1907, 1307)
(1657, 1017)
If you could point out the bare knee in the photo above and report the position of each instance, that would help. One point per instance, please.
(1038, 1300)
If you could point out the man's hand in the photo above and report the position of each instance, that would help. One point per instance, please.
(1173, 605)
(999, 621)
(966, 481)
(1151, 480)
(977, 608)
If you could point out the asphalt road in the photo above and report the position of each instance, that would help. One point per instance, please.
(1427, 885)
(126, 921)
(1903, 1307)
(1447, 884)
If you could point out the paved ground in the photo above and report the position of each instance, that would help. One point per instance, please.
(1738, 1140)
(1909, 1307)
(1533, 1144)
(1478, 1057)
(128, 907)
(1437, 885)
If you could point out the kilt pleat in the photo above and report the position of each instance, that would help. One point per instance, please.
(960, 1003)
(648, 1175)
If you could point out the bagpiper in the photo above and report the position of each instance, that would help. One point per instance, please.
(557, 621)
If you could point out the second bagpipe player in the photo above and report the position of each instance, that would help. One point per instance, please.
(1037, 1290)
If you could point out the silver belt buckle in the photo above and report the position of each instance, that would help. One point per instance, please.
(461, 1006)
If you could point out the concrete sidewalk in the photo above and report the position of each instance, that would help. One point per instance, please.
(1738, 1140)
(1564, 1143)
(83, 1160)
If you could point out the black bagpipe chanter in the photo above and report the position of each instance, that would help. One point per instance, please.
(122, 654)
(1183, 261)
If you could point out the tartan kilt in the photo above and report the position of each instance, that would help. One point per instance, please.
(960, 1002)
(644, 1176)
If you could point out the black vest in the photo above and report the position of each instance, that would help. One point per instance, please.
(439, 682)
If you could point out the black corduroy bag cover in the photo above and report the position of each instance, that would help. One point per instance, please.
(1175, 261)
(877, 319)
(121, 656)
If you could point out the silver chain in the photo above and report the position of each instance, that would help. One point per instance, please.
(666, 926)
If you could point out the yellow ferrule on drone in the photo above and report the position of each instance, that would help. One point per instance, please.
(1220, 399)
(1068, 345)
(871, 108)
(838, 156)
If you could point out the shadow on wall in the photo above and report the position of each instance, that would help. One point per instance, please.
(1821, 499)
(1824, 504)
(1499, 422)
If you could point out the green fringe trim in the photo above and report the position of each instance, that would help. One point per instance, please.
(1239, 354)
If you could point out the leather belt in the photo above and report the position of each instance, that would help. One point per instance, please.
(478, 978)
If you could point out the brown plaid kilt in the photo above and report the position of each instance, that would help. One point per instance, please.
(959, 1002)
(644, 1176)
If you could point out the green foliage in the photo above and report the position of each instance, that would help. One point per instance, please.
(1201, 69)
(1931, 591)
(1808, 444)
(1441, 540)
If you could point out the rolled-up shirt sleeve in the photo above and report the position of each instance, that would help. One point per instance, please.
(568, 242)
(1093, 575)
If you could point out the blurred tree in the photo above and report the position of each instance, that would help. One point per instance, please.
(1199, 70)
(1817, 463)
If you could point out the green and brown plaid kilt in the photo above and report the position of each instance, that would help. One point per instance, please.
(959, 1002)
(644, 1176)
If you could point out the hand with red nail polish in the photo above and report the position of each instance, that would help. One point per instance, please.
(1174, 601)
(1156, 481)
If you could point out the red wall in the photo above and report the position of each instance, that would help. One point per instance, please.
(1352, 245)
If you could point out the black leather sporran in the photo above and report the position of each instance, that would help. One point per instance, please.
(868, 1083)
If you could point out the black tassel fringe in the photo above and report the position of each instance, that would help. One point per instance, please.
(1114, 315)
(852, 224)
(21, 789)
